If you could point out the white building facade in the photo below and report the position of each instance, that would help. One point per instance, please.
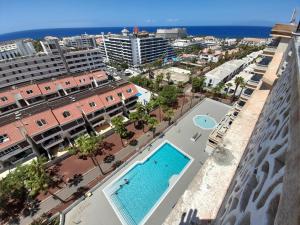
(135, 49)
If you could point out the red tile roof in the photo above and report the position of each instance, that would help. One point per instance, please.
(33, 128)
(47, 87)
(14, 135)
(66, 83)
(71, 111)
(105, 98)
(100, 75)
(29, 91)
(87, 104)
(6, 98)
(83, 79)
(129, 91)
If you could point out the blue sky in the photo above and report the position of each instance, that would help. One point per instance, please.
(16, 15)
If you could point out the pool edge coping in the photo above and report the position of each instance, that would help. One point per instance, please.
(162, 197)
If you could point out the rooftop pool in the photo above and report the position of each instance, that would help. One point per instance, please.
(136, 193)
(205, 122)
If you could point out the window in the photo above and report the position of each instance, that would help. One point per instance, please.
(67, 83)
(29, 92)
(4, 138)
(120, 94)
(47, 88)
(66, 114)
(129, 90)
(41, 122)
(4, 99)
(92, 104)
(109, 98)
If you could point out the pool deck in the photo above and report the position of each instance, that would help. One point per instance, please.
(97, 210)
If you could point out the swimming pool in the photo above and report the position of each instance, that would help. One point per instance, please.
(139, 190)
(138, 94)
(205, 122)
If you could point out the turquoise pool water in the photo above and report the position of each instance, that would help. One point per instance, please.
(138, 94)
(205, 122)
(136, 193)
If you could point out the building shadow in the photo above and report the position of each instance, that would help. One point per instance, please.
(191, 218)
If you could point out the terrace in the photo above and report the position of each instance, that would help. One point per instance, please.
(179, 134)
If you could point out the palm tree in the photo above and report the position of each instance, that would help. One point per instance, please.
(238, 81)
(36, 178)
(242, 85)
(159, 78)
(169, 113)
(119, 127)
(168, 76)
(87, 146)
(160, 102)
(152, 123)
(134, 117)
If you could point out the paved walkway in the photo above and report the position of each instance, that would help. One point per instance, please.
(87, 212)
(67, 194)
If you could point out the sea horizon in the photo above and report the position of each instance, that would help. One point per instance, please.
(221, 31)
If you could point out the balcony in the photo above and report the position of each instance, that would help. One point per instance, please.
(269, 51)
(246, 94)
(47, 135)
(239, 105)
(51, 142)
(77, 131)
(254, 81)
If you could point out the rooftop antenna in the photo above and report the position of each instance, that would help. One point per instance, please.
(293, 18)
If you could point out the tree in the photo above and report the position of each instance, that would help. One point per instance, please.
(36, 179)
(198, 84)
(242, 85)
(152, 123)
(138, 115)
(87, 146)
(168, 95)
(158, 80)
(168, 76)
(119, 127)
(168, 113)
(218, 89)
(238, 81)
(134, 117)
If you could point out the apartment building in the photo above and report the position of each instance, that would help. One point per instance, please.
(47, 126)
(21, 96)
(14, 146)
(84, 60)
(17, 48)
(264, 188)
(29, 68)
(136, 49)
(80, 41)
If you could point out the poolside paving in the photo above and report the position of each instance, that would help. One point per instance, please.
(97, 210)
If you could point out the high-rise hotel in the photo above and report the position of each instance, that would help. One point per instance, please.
(135, 49)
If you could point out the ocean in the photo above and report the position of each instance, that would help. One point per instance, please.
(217, 31)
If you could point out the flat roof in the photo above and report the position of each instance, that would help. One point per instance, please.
(225, 69)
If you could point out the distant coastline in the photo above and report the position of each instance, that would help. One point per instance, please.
(218, 31)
